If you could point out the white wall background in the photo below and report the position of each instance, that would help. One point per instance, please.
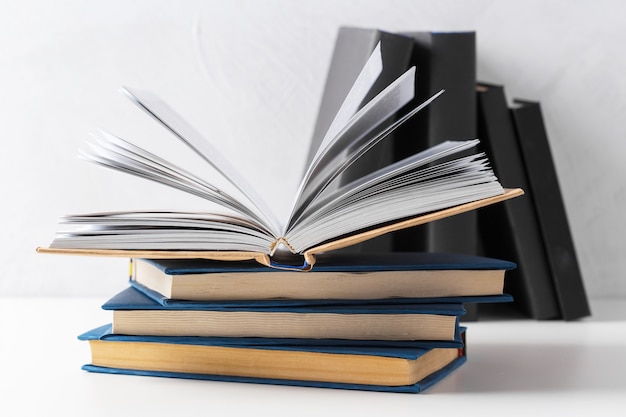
(62, 62)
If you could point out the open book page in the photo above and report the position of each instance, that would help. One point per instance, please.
(329, 162)
(165, 115)
(343, 160)
(132, 230)
(424, 187)
(113, 152)
(380, 177)
(362, 85)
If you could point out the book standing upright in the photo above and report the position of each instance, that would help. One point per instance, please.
(511, 231)
(544, 189)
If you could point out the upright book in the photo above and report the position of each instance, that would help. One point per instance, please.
(511, 230)
(545, 191)
(416, 190)
(347, 367)
(135, 313)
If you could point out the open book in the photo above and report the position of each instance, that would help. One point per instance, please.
(430, 185)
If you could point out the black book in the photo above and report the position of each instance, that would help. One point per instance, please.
(353, 47)
(511, 230)
(543, 186)
(444, 60)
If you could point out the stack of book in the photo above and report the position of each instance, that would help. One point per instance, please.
(236, 294)
(385, 323)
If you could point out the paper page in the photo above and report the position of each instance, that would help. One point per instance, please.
(352, 136)
(413, 162)
(362, 85)
(341, 162)
(160, 111)
(126, 230)
(113, 152)
(446, 185)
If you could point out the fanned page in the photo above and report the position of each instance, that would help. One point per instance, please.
(116, 153)
(167, 117)
(427, 186)
(362, 85)
(368, 201)
(327, 163)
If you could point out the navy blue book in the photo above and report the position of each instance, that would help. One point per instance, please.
(337, 276)
(349, 367)
(134, 313)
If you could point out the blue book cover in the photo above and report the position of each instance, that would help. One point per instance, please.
(132, 299)
(345, 262)
(136, 313)
(106, 333)
(337, 278)
(134, 362)
(192, 304)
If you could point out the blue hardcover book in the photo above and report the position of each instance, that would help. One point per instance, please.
(412, 277)
(359, 367)
(457, 342)
(137, 314)
(282, 302)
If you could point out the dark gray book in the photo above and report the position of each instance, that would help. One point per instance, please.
(543, 186)
(511, 230)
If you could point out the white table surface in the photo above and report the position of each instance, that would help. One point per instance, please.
(515, 367)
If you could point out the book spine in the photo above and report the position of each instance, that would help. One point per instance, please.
(546, 193)
(511, 230)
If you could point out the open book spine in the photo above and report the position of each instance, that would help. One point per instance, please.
(308, 257)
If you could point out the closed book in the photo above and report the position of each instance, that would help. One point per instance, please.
(545, 191)
(511, 231)
(137, 314)
(444, 60)
(349, 367)
(337, 276)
